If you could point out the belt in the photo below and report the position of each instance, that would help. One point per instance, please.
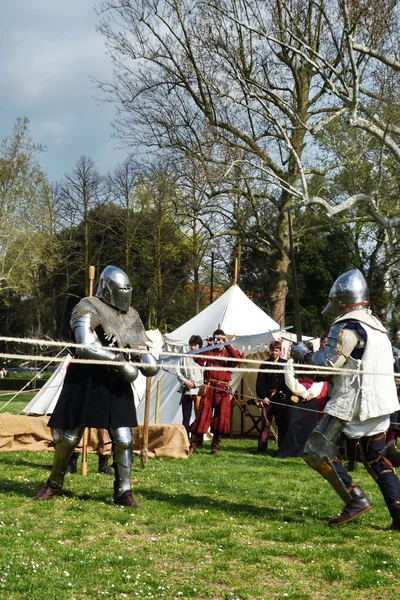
(211, 380)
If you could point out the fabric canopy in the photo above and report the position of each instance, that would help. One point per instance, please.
(233, 312)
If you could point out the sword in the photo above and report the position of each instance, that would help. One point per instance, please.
(227, 343)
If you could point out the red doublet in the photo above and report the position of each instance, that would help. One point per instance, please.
(215, 407)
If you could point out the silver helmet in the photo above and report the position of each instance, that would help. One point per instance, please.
(349, 292)
(114, 288)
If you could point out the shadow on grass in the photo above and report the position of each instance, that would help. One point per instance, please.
(29, 463)
(29, 489)
(189, 501)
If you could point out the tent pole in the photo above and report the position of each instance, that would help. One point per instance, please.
(158, 400)
(144, 451)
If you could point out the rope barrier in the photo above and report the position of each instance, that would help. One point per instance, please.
(299, 369)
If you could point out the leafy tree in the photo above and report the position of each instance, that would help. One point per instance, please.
(28, 246)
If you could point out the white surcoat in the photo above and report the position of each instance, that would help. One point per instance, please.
(366, 397)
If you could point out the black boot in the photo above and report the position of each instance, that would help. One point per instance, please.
(103, 466)
(215, 443)
(357, 506)
(395, 526)
(195, 440)
(72, 466)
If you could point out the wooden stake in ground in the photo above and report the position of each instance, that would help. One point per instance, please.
(144, 451)
(158, 401)
(86, 431)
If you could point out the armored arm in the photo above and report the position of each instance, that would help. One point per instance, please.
(93, 350)
(341, 343)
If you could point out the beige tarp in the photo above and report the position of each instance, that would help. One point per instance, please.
(31, 434)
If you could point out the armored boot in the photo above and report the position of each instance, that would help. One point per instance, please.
(65, 443)
(195, 441)
(358, 505)
(215, 443)
(123, 456)
(72, 466)
(49, 490)
(103, 466)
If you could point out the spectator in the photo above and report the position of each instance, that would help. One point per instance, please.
(303, 415)
(215, 405)
(323, 341)
(190, 376)
(271, 391)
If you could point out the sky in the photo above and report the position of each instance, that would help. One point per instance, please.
(50, 52)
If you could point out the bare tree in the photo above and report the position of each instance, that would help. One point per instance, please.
(244, 87)
(77, 194)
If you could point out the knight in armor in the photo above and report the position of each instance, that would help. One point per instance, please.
(361, 400)
(101, 396)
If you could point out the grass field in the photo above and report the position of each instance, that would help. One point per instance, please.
(233, 526)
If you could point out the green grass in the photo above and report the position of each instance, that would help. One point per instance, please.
(233, 526)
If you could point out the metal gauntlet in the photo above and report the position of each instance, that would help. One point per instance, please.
(149, 366)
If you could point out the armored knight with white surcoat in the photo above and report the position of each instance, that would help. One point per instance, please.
(98, 395)
(361, 401)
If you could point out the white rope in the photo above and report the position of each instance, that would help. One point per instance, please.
(298, 369)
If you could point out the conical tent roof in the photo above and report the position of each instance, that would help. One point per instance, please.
(233, 312)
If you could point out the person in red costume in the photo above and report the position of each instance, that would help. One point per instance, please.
(215, 405)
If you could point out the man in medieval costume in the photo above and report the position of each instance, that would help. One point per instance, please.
(215, 405)
(101, 396)
(361, 401)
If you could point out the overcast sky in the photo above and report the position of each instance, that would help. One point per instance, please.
(49, 52)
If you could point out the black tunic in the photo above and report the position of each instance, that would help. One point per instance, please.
(266, 382)
(94, 396)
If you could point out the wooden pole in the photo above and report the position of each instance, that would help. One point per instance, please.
(92, 271)
(86, 430)
(235, 271)
(144, 451)
(158, 402)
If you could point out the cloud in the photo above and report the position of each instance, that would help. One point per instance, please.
(50, 51)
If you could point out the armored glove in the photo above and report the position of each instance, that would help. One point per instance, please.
(299, 351)
(149, 366)
(126, 370)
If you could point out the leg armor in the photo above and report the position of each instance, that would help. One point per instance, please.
(321, 450)
(381, 469)
(122, 438)
(65, 440)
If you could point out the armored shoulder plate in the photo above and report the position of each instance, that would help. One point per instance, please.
(341, 343)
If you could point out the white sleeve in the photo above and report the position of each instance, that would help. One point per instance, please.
(291, 381)
(316, 388)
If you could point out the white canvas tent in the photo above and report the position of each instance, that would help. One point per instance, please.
(238, 316)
